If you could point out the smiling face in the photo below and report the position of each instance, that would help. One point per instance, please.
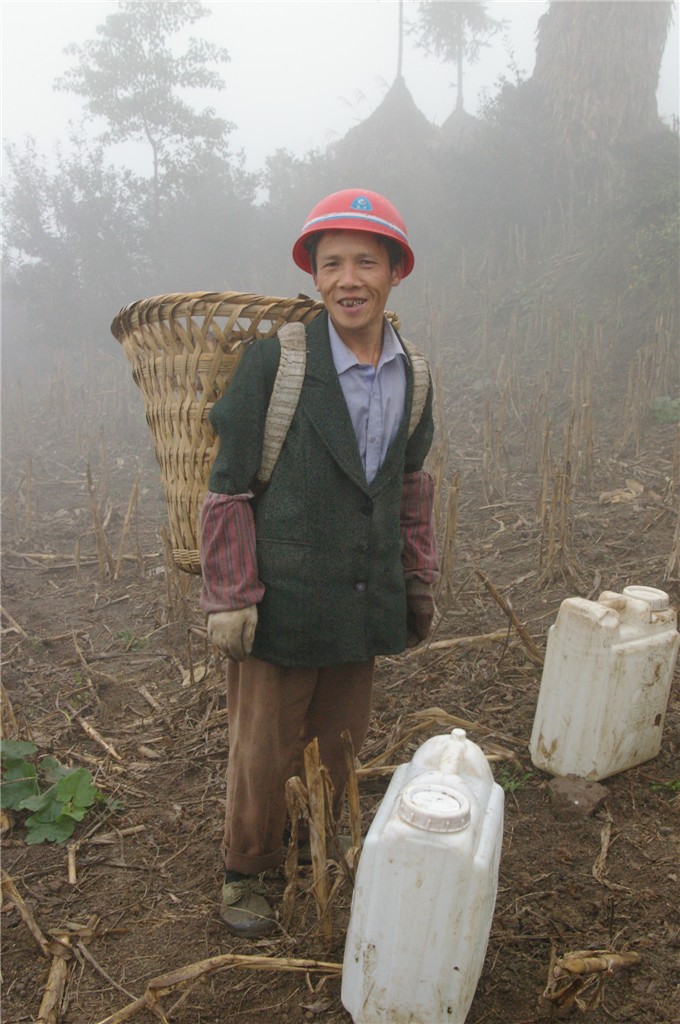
(354, 277)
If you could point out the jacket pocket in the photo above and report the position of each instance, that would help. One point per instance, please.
(282, 560)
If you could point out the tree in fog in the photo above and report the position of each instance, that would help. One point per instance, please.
(597, 72)
(132, 79)
(73, 250)
(455, 32)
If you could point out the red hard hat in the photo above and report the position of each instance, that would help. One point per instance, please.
(354, 209)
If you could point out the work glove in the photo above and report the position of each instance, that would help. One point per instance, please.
(233, 632)
(420, 609)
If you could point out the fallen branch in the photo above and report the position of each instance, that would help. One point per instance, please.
(109, 838)
(14, 626)
(578, 979)
(49, 1011)
(92, 733)
(499, 636)
(600, 865)
(9, 889)
(165, 983)
(84, 951)
(435, 718)
(535, 654)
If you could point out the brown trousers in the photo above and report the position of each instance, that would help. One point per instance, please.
(274, 713)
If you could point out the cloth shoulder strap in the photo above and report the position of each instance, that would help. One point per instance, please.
(421, 383)
(284, 397)
(288, 386)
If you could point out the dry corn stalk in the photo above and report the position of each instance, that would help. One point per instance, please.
(93, 733)
(313, 803)
(9, 729)
(673, 563)
(352, 790)
(494, 459)
(427, 721)
(578, 979)
(50, 1005)
(444, 591)
(103, 551)
(316, 789)
(534, 652)
(158, 987)
(10, 890)
(132, 508)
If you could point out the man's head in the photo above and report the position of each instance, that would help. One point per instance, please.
(355, 210)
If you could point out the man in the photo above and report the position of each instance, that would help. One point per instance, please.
(306, 581)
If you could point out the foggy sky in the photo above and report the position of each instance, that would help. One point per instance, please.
(301, 73)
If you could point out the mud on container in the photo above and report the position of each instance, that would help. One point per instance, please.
(425, 889)
(605, 685)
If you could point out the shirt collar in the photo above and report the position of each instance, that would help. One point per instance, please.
(344, 359)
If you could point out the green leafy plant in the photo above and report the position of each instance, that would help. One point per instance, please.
(666, 410)
(57, 797)
(672, 787)
(511, 779)
(131, 640)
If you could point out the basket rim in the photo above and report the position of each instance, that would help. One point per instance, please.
(163, 308)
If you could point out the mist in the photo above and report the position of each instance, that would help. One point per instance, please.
(544, 215)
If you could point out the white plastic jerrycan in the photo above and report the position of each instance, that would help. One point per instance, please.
(425, 889)
(605, 684)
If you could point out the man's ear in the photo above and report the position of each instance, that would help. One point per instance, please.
(397, 274)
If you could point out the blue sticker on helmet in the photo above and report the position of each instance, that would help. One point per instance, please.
(361, 203)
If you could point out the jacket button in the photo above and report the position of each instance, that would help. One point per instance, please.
(360, 587)
(366, 510)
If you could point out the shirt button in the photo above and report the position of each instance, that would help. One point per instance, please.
(360, 587)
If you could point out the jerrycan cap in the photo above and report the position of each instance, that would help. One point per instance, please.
(657, 600)
(434, 807)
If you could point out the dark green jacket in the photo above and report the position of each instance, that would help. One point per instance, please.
(328, 543)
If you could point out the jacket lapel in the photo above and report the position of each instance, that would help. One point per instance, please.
(323, 403)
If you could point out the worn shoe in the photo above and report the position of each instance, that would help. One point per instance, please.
(244, 909)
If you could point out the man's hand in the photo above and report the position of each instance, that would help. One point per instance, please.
(420, 611)
(233, 632)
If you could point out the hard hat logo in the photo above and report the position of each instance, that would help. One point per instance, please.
(355, 210)
(361, 203)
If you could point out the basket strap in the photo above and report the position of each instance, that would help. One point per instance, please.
(421, 384)
(288, 386)
(285, 395)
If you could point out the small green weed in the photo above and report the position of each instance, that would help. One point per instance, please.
(131, 640)
(58, 797)
(511, 779)
(666, 410)
(670, 788)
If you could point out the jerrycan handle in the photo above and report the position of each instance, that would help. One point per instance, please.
(636, 604)
(658, 600)
(454, 752)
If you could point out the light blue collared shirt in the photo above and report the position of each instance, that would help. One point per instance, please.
(375, 396)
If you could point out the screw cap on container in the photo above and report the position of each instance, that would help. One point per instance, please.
(434, 808)
(657, 600)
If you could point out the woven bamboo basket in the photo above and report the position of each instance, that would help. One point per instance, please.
(184, 350)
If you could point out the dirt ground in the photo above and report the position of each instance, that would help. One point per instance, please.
(125, 653)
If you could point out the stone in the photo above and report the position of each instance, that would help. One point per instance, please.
(573, 797)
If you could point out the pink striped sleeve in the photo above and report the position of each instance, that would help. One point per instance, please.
(419, 555)
(228, 553)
